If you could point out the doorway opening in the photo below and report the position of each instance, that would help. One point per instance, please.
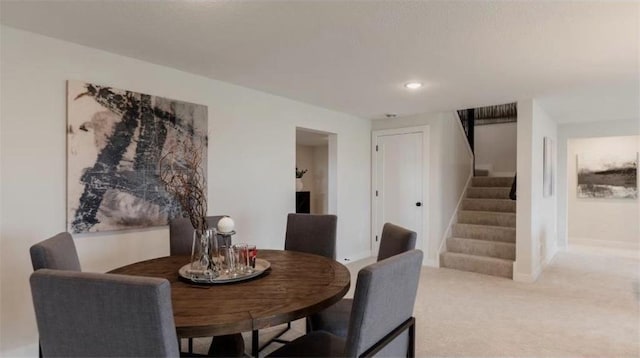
(315, 171)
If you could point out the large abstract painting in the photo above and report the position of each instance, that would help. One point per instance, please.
(609, 176)
(115, 139)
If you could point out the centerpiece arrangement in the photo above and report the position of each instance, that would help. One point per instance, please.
(183, 174)
(213, 257)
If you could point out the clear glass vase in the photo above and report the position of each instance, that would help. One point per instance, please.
(203, 250)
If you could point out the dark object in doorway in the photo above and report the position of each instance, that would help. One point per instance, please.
(303, 202)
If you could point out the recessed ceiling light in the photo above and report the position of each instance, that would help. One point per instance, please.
(413, 85)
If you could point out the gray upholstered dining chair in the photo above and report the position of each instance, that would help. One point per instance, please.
(181, 234)
(57, 253)
(395, 240)
(311, 234)
(335, 319)
(82, 314)
(375, 327)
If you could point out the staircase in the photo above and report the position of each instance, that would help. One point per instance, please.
(484, 239)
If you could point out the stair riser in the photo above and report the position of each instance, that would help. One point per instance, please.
(488, 193)
(472, 264)
(505, 206)
(482, 248)
(484, 233)
(481, 218)
(491, 182)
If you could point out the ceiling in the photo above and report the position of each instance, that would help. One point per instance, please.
(355, 56)
(311, 138)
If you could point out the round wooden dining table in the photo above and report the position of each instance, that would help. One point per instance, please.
(295, 286)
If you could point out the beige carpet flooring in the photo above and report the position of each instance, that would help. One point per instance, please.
(586, 303)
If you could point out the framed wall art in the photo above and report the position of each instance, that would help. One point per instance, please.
(607, 175)
(115, 139)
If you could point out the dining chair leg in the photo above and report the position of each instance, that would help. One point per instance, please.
(307, 325)
(412, 340)
(190, 348)
(255, 344)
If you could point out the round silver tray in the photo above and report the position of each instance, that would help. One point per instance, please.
(261, 266)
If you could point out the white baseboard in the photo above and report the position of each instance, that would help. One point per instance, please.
(30, 350)
(609, 244)
(357, 257)
(562, 246)
(431, 262)
(526, 277)
(532, 277)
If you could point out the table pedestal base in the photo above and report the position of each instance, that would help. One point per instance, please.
(231, 345)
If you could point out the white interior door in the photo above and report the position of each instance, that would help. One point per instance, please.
(399, 182)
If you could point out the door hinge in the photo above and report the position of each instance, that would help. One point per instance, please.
(376, 238)
(376, 193)
(376, 147)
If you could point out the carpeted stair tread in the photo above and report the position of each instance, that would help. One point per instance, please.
(495, 205)
(483, 239)
(480, 264)
(501, 250)
(484, 232)
(481, 172)
(488, 192)
(487, 218)
(491, 181)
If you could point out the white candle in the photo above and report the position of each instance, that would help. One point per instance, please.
(226, 225)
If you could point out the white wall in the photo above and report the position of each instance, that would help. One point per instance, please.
(495, 145)
(536, 219)
(544, 220)
(251, 163)
(450, 164)
(583, 130)
(604, 222)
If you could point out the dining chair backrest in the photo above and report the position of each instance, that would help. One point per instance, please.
(395, 240)
(312, 234)
(181, 234)
(56, 253)
(81, 314)
(384, 298)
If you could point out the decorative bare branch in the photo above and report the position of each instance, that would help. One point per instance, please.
(182, 173)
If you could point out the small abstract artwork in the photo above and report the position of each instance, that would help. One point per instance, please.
(115, 140)
(607, 175)
(548, 167)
